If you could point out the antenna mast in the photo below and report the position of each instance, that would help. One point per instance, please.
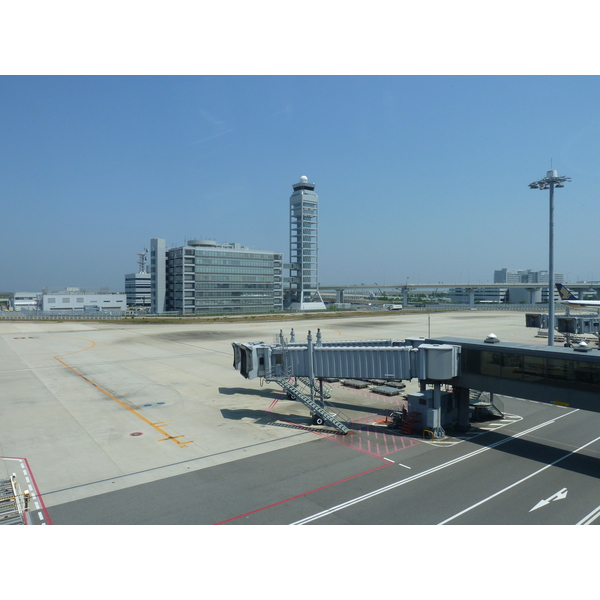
(143, 258)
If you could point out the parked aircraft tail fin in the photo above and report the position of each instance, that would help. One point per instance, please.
(564, 293)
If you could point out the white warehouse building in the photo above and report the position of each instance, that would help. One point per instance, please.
(84, 302)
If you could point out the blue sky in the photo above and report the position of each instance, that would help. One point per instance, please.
(421, 178)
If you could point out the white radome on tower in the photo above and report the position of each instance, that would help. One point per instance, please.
(304, 179)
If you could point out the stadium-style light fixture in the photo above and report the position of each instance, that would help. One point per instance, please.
(551, 181)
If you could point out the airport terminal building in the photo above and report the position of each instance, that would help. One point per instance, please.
(204, 277)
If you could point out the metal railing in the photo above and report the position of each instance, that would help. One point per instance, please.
(60, 316)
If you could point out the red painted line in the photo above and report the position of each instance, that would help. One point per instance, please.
(37, 490)
(303, 494)
(272, 404)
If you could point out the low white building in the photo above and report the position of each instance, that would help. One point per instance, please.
(25, 300)
(84, 302)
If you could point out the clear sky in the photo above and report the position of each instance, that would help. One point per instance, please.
(420, 177)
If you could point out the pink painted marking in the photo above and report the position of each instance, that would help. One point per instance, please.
(303, 494)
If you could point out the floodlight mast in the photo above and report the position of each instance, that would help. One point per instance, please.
(551, 181)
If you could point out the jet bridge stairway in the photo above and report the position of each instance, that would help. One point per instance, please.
(485, 406)
(306, 382)
(321, 412)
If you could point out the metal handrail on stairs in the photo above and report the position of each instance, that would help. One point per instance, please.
(297, 393)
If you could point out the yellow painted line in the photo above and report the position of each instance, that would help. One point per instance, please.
(82, 350)
(561, 403)
(125, 404)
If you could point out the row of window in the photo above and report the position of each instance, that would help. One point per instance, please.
(178, 271)
(276, 291)
(67, 300)
(244, 255)
(257, 270)
(537, 369)
(225, 294)
(235, 262)
(232, 278)
(236, 286)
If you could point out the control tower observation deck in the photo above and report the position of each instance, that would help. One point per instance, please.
(304, 247)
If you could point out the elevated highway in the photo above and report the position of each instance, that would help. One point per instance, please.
(405, 288)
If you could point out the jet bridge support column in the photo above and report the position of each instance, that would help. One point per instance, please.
(461, 396)
(438, 430)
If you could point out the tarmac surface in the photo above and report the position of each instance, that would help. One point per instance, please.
(134, 423)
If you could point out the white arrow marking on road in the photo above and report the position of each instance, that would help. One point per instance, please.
(561, 495)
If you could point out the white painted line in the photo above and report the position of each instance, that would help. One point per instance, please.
(466, 510)
(41, 516)
(405, 466)
(588, 519)
(392, 486)
(37, 506)
(388, 459)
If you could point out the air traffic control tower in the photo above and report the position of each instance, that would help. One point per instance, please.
(304, 248)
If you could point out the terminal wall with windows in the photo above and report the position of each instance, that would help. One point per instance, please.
(551, 374)
(204, 277)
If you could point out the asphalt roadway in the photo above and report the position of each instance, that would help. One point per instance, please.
(150, 424)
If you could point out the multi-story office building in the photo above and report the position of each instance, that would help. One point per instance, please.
(204, 277)
(526, 276)
(506, 276)
(304, 248)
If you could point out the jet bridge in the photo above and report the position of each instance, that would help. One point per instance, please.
(282, 361)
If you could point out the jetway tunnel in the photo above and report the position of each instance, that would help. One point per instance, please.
(565, 376)
(315, 360)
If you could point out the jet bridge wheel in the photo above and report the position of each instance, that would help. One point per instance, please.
(318, 420)
(291, 396)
